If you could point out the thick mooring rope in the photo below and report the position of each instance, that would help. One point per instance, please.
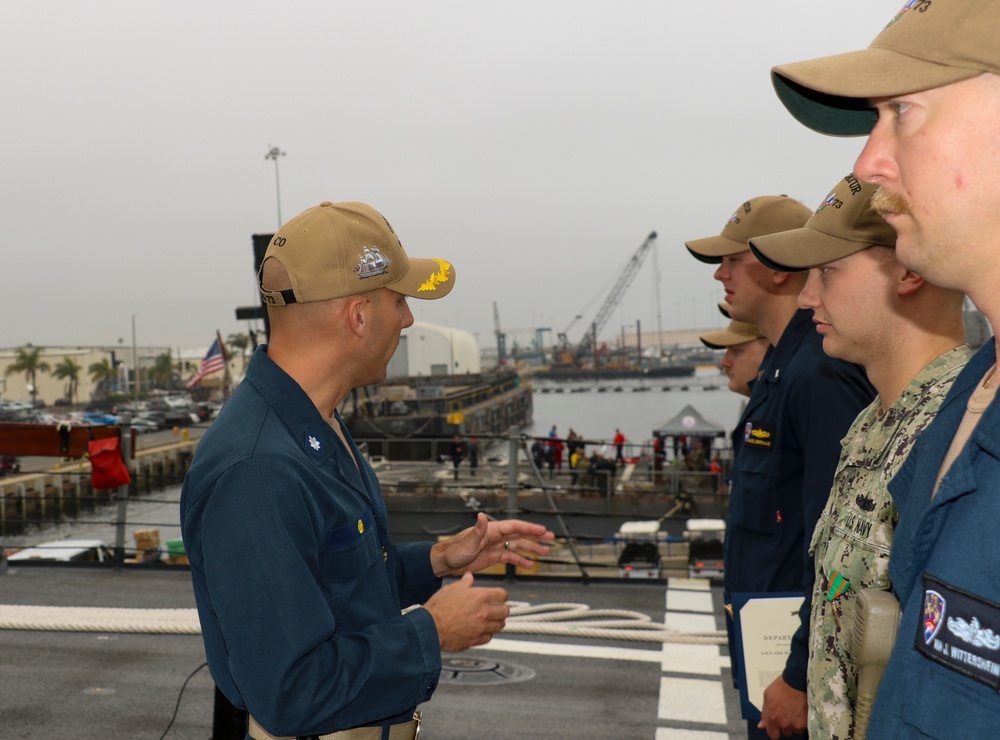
(579, 620)
(99, 619)
(564, 619)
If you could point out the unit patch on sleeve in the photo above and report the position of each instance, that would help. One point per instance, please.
(961, 631)
(758, 434)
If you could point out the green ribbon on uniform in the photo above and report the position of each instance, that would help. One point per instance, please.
(838, 584)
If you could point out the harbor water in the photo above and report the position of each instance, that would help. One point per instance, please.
(634, 407)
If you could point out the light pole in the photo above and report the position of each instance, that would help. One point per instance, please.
(273, 153)
(135, 363)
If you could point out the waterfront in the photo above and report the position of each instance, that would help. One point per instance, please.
(595, 415)
(602, 687)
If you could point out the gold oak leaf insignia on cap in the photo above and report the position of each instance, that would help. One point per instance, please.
(441, 276)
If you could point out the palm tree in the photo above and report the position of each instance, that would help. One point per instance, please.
(29, 362)
(162, 371)
(104, 375)
(240, 342)
(69, 370)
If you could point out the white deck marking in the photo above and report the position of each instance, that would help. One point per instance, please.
(692, 700)
(689, 601)
(688, 584)
(688, 622)
(667, 733)
(703, 660)
(572, 650)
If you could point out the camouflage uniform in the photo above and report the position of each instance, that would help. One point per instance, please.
(854, 534)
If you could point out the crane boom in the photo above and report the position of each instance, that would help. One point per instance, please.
(589, 341)
(501, 337)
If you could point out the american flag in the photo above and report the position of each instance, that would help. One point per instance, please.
(214, 361)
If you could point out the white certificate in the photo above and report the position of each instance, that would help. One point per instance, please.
(765, 624)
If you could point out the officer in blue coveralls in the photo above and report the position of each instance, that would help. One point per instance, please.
(800, 407)
(299, 589)
(927, 94)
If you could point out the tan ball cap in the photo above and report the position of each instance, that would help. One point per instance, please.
(927, 44)
(764, 214)
(335, 250)
(844, 223)
(738, 332)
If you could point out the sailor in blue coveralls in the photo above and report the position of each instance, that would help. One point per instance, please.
(927, 94)
(800, 407)
(299, 589)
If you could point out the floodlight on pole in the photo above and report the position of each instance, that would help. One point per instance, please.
(273, 153)
(135, 363)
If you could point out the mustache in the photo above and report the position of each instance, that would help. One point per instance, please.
(885, 203)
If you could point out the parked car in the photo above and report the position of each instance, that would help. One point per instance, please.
(180, 417)
(156, 418)
(144, 426)
(100, 419)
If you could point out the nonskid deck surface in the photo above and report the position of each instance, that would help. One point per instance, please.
(80, 685)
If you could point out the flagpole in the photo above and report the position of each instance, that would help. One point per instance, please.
(226, 379)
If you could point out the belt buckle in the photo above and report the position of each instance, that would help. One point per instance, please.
(416, 717)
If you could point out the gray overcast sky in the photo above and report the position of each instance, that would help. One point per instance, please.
(533, 144)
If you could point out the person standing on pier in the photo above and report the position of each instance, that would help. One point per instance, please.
(910, 338)
(799, 409)
(299, 588)
(473, 453)
(538, 454)
(457, 453)
(619, 442)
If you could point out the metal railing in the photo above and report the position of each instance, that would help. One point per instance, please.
(507, 483)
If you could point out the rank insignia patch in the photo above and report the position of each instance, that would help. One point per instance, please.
(313, 444)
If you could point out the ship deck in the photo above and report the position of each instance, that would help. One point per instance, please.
(84, 685)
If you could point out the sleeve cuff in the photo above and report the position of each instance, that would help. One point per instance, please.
(794, 677)
(430, 649)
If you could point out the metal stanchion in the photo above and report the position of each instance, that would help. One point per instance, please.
(512, 505)
(122, 509)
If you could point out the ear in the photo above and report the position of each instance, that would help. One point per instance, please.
(909, 283)
(790, 280)
(358, 316)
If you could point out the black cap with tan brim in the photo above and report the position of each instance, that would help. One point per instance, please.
(764, 214)
(335, 250)
(927, 44)
(844, 223)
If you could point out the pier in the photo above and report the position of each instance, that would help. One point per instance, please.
(50, 489)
